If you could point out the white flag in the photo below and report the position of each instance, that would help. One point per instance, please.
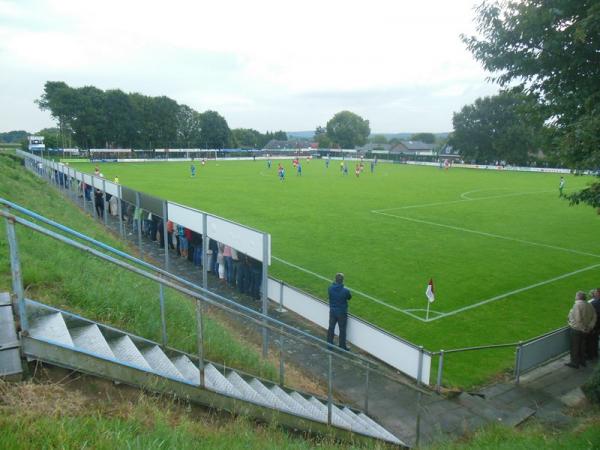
(430, 293)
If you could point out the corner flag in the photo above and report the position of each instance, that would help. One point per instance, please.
(430, 293)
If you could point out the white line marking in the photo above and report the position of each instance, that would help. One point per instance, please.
(376, 300)
(516, 291)
(464, 198)
(492, 235)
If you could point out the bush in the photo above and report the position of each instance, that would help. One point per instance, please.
(591, 389)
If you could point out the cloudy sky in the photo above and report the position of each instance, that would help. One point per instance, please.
(263, 64)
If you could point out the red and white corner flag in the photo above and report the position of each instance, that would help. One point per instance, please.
(430, 293)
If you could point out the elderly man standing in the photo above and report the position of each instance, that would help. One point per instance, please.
(582, 319)
(338, 309)
(592, 341)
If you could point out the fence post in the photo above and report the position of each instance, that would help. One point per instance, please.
(165, 234)
(518, 363)
(418, 430)
(105, 208)
(367, 390)
(281, 309)
(120, 210)
(420, 369)
(329, 389)
(281, 360)
(93, 195)
(205, 240)
(200, 339)
(138, 206)
(16, 274)
(163, 321)
(438, 385)
(264, 291)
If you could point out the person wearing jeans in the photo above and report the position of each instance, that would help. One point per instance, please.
(338, 309)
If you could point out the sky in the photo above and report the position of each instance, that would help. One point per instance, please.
(263, 64)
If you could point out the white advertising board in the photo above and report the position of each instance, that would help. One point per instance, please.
(378, 343)
(184, 216)
(111, 188)
(87, 179)
(242, 239)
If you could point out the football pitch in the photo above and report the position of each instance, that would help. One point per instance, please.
(505, 253)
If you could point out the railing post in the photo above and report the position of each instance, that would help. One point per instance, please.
(16, 274)
(420, 369)
(165, 234)
(163, 321)
(105, 208)
(438, 385)
(281, 360)
(329, 389)
(281, 285)
(205, 240)
(200, 339)
(518, 363)
(93, 195)
(140, 220)
(120, 210)
(264, 291)
(367, 390)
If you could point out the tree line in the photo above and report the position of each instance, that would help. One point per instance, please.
(92, 118)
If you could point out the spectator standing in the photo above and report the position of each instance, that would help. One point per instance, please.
(338, 309)
(582, 318)
(592, 344)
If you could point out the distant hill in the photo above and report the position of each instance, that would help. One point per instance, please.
(13, 137)
(388, 136)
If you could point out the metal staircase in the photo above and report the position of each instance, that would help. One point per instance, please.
(71, 341)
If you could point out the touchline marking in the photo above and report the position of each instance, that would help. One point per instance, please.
(483, 233)
(376, 300)
(464, 198)
(516, 291)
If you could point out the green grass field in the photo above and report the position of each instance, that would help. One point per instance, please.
(506, 254)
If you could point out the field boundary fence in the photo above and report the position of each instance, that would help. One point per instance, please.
(528, 354)
(408, 358)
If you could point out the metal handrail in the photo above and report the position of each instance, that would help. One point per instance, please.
(221, 302)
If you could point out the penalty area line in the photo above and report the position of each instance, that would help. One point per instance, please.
(376, 300)
(516, 291)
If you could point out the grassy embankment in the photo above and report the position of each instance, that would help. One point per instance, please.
(66, 278)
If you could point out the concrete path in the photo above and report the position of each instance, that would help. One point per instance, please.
(545, 393)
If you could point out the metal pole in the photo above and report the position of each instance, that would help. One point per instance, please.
(205, 240)
(281, 360)
(120, 210)
(281, 309)
(265, 288)
(518, 364)
(367, 390)
(105, 208)
(329, 389)
(165, 235)
(16, 273)
(418, 430)
(200, 339)
(93, 197)
(420, 370)
(162, 314)
(140, 220)
(440, 371)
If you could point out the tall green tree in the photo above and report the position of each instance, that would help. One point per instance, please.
(189, 128)
(348, 130)
(550, 47)
(505, 127)
(215, 131)
(378, 139)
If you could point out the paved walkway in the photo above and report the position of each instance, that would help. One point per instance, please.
(544, 393)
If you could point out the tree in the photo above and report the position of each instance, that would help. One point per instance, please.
(378, 139)
(428, 138)
(215, 131)
(321, 138)
(551, 48)
(348, 129)
(247, 138)
(503, 127)
(189, 128)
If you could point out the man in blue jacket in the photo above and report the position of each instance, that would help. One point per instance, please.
(338, 309)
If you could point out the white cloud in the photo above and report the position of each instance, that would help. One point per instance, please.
(235, 56)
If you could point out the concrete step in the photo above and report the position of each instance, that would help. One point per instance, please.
(315, 412)
(292, 404)
(125, 350)
(262, 391)
(246, 391)
(336, 418)
(90, 338)
(51, 327)
(160, 362)
(216, 380)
